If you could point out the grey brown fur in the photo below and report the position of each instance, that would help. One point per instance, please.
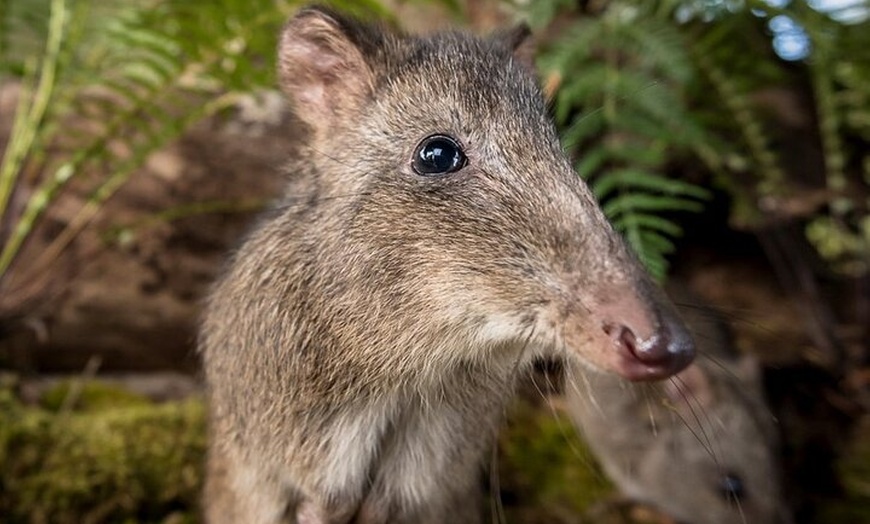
(365, 338)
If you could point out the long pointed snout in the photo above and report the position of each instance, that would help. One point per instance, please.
(637, 333)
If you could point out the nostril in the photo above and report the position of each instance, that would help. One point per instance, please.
(649, 339)
(668, 347)
(628, 339)
(622, 336)
(650, 351)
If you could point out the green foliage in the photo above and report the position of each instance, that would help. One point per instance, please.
(764, 179)
(88, 396)
(540, 13)
(624, 115)
(113, 463)
(454, 7)
(545, 462)
(105, 84)
(854, 471)
(646, 86)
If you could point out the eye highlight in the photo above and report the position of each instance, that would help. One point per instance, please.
(438, 155)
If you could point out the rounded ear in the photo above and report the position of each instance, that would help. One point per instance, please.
(519, 39)
(322, 68)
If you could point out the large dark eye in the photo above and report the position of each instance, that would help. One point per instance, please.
(731, 487)
(438, 155)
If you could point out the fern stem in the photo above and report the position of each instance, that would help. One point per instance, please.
(829, 127)
(4, 32)
(25, 129)
(70, 169)
(50, 187)
(16, 149)
(89, 211)
(750, 128)
(611, 76)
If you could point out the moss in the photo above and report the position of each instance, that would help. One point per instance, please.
(137, 462)
(89, 396)
(854, 474)
(547, 474)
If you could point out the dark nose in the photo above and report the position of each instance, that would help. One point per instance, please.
(667, 350)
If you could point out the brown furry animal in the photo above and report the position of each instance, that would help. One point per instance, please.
(434, 239)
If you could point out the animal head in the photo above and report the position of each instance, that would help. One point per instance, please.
(441, 189)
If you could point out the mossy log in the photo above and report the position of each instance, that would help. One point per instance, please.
(92, 453)
(103, 461)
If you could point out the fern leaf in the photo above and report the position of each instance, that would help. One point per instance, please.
(651, 222)
(584, 126)
(626, 179)
(661, 48)
(643, 202)
(652, 259)
(591, 161)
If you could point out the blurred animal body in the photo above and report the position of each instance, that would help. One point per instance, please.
(701, 446)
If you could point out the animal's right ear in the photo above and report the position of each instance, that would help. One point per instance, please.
(520, 41)
(321, 67)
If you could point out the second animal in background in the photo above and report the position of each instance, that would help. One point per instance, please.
(701, 446)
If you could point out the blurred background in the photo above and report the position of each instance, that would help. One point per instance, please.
(726, 139)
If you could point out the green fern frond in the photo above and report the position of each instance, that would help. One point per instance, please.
(650, 248)
(639, 222)
(584, 126)
(646, 83)
(585, 87)
(539, 13)
(737, 102)
(632, 179)
(28, 119)
(23, 31)
(630, 203)
(659, 47)
(139, 75)
(855, 97)
(637, 151)
(626, 151)
(623, 116)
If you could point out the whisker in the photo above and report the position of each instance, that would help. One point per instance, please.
(589, 394)
(719, 313)
(353, 169)
(705, 442)
(571, 442)
(572, 380)
(720, 364)
(654, 427)
(496, 504)
(582, 118)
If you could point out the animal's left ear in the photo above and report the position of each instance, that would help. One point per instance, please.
(519, 39)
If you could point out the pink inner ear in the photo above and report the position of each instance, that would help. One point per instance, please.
(316, 70)
(322, 71)
(312, 61)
